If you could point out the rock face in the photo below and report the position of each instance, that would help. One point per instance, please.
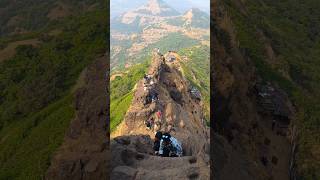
(131, 143)
(246, 145)
(84, 153)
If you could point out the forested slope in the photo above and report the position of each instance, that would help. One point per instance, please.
(37, 86)
(281, 39)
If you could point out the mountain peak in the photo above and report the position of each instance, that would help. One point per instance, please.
(195, 11)
(197, 18)
(157, 7)
(154, 6)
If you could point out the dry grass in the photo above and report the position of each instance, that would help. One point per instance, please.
(10, 50)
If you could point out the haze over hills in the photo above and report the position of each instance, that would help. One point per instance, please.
(118, 8)
(155, 24)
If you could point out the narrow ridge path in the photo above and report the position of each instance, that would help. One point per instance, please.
(131, 142)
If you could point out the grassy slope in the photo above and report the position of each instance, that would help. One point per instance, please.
(174, 41)
(35, 94)
(118, 109)
(121, 92)
(121, 87)
(198, 66)
(27, 146)
(293, 28)
(33, 15)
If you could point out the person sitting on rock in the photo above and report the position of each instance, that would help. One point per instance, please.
(147, 78)
(157, 126)
(147, 100)
(152, 82)
(149, 123)
(156, 144)
(169, 146)
(170, 128)
(154, 96)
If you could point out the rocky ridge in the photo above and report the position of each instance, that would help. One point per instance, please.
(252, 130)
(85, 150)
(131, 143)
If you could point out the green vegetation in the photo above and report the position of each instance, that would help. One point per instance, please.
(121, 58)
(33, 15)
(35, 77)
(198, 67)
(35, 93)
(174, 41)
(27, 146)
(178, 21)
(121, 92)
(293, 30)
(118, 109)
(121, 86)
(196, 70)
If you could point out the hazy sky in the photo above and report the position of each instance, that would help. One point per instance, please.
(120, 6)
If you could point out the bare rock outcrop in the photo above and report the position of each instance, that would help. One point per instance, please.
(249, 139)
(84, 152)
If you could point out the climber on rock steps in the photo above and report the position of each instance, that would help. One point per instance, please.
(149, 123)
(156, 144)
(166, 145)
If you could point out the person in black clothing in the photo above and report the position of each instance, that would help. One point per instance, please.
(166, 152)
(167, 146)
(147, 100)
(154, 96)
(149, 123)
(156, 144)
(273, 124)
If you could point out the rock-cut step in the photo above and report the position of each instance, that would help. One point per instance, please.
(165, 162)
(162, 173)
(132, 145)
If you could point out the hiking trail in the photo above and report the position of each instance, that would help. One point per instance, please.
(131, 143)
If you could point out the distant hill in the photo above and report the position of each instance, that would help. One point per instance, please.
(193, 18)
(118, 8)
(135, 32)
